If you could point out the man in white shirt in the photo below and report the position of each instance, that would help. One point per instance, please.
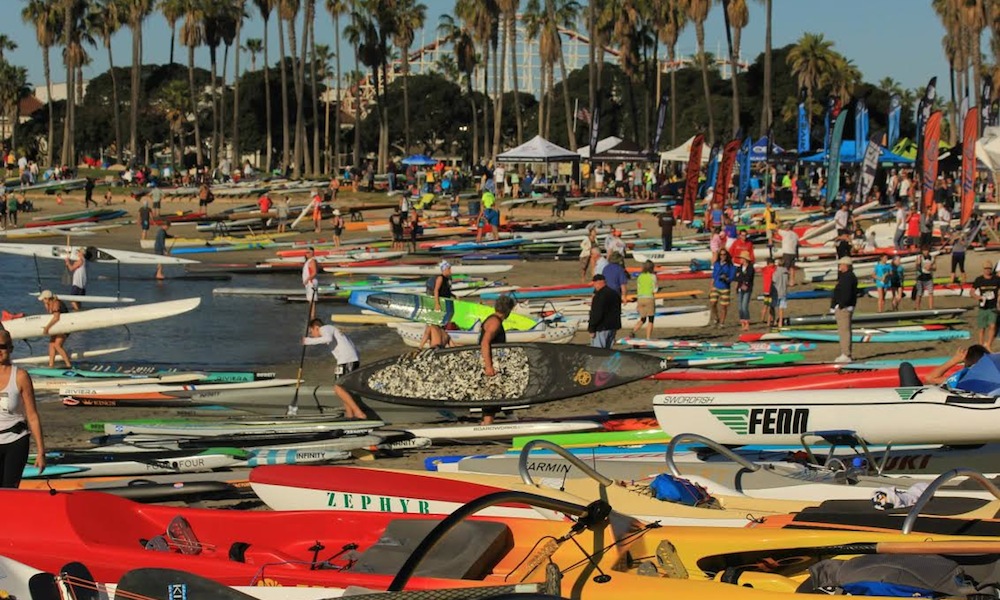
(902, 216)
(842, 218)
(500, 180)
(789, 250)
(904, 189)
(346, 355)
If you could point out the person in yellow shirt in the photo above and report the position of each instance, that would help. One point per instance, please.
(770, 224)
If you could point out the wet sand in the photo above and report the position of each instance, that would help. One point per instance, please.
(63, 426)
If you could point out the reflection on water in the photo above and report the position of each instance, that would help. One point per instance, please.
(223, 332)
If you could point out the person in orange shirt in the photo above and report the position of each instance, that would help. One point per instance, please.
(317, 212)
(740, 245)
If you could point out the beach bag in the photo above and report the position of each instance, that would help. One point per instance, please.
(681, 491)
(913, 576)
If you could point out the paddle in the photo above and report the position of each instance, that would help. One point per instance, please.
(293, 408)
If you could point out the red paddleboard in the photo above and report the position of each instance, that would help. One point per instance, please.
(744, 374)
(845, 379)
(61, 223)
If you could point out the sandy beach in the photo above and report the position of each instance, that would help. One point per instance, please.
(63, 425)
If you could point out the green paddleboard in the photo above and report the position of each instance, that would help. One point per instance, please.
(597, 438)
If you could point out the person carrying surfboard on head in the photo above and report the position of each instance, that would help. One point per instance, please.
(346, 355)
(442, 284)
(18, 419)
(78, 270)
(54, 306)
(310, 280)
(492, 332)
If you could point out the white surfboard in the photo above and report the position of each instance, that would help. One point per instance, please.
(104, 390)
(77, 355)
(501, 431)
(98, 318)
(124, 257)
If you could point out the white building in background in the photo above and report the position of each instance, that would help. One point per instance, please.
(58, 91)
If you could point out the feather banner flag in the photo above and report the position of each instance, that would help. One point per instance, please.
(929, 157)
(869, 169)
(860, 124)
(833, 159)
(725, 175)
(691, 177)
(969, 137)
(661, 119)
(595, 129)
(804, 127)
(744, 166)
(895, 110)
(985, 115)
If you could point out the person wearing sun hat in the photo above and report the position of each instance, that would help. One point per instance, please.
(845, 297)
(442, 284)
(744, 288)
(338, 226)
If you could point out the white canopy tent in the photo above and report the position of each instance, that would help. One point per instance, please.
(682, 153)
(602, 146)
(988, 148)
(538, 150)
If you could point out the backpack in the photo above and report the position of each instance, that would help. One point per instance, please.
(681, 491)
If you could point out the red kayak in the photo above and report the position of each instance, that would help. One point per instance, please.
(844, 379)
(181, 218)
(745, 374)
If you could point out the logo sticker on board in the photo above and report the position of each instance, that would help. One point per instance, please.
(907, 393)
(733, 418)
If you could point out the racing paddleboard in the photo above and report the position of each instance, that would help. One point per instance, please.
(92, 253)
(420, 308)
(98, 318)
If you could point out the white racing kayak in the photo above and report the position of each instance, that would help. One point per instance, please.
(95, 254)
(76, 355)
(201, 429)
(93, 299)
(98, 318)
(413, 333)
(902, 415)
(422, 270)
(133, 391)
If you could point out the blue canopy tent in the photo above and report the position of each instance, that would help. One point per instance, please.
(758, 151)
(849, 154)
(419, 160)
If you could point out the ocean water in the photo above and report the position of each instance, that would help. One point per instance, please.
(224, 332)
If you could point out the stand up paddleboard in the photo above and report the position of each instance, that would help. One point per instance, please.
(98, 318)
(415, 307)
(92, 253)
(525, 374)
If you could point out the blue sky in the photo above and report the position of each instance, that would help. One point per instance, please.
(897, 38)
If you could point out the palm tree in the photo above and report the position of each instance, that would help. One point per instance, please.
(465, 60)
(172, 103)
(563, 15)
(107, 15)
(134, 12)
(314, 86)
(481, 17)
(697, 12)
(739, 16)
(973, 16)
(543, 23)
(44, 16)
(811, 59)
(336, 8)
(671, 20)
(6, 44)
(955, 44)
(211, 23)
(323, 54)
(192, 36)
(508, 10)
(842, 77)
(355, 33)
(626, 35)
(74, 56)
(173, 11)
(238, 13)
(767, 114)
(13, 88)
(410, 16)
(265, 7)
(286, 9)
(377, 25)
(253, 47)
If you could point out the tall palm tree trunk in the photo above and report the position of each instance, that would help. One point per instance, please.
(327, 162)
(475, 126)
(766, 110)
(269, 136)
(286, 152)
(173, 40)
(406, 98)
(734, 67)
(672, 56)
(541, 99)
(314, 95)
(50, 153)
(222, 104)
(357, 113)
(213, 67)
(67, 130)
(115, 106)
(486, 100)
(297, 66)
(336, 118)
(518, 117)
(235, 136)
(133, 123)
(570, 120)
(592, 58)
(498, 84)
(200, 159)
(700, 32)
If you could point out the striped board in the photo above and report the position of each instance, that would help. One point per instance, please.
(232, 426)
(737, 346)
(422, 270)
(78, 395)
(871, 336)
(413, 334)
(98, 318)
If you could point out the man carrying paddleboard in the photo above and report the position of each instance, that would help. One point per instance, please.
(346, 355)
(492, 332)
(78, 270)
(55, 307)
(310, 280)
